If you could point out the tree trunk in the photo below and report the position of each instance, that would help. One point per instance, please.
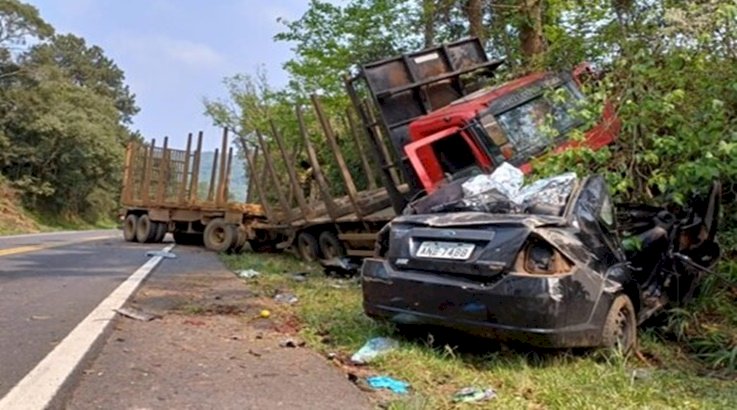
(531, 28)
(428, 21)
(475, 15)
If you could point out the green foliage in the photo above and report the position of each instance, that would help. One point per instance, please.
(63, 114)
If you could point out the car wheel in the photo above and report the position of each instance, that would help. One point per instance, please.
(145, 229)
(620, 327)
(307, 247)
(330, 246)
(219, 236)
(129, 228)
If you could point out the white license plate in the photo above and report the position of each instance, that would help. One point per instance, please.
(445, 250)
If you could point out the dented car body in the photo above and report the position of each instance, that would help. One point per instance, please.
(549, 276)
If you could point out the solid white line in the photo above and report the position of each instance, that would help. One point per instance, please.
(38, 388)
(54, 233)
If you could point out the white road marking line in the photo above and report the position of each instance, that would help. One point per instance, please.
(38, 388)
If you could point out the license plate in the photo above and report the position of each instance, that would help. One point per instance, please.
(445, 250)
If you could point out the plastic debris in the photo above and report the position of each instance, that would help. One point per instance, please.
(374, 348)
(299, 277)
(506, 180)
(136, 314)
(265, 314)
(247, 273)
(286, 298)
(163, 254)
(386, 382)
(473, 394)
(340, 266)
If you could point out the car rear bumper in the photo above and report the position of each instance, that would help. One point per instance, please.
(535, 310)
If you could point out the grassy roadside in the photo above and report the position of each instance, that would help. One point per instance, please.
(329, 311)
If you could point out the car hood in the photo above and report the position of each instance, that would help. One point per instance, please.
(470, 219)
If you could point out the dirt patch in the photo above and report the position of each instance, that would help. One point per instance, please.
(13, 219)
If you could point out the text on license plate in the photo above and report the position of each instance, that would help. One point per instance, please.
(445, 250)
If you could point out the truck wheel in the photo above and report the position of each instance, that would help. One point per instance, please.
(240, 241)
(620, 327)
(145, 229)
(307, 247)
(129, 228)
(260, 246)
(219, 236)
(161, 229)
(330, 246)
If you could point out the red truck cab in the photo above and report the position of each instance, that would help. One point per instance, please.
(513, 122)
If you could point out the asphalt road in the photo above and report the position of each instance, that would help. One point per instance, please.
(51, 282)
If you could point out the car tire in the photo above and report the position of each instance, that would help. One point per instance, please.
(330, 246)
(219, 236)
(307, 247)
(129, 228)
(620, 327)
(145, 229)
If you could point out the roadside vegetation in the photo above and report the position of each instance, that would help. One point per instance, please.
(65, 113)
(331, 321)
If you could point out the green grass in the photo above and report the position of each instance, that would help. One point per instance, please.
(333, 322)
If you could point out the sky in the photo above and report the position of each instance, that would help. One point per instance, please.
(176, 52)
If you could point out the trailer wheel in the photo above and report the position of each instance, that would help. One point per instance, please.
(219, 236)
(145, 229)
(307, 247)
(620, 327)
(129, 228)
(161, 229)
(240, 241)
(330, 246)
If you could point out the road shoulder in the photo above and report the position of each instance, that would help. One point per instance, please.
(208, 349)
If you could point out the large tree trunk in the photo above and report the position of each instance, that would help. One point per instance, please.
(475, 14)
(531, 28)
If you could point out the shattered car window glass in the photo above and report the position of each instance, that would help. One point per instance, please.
(528, 125)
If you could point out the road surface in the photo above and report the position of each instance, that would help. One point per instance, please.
(48, 284)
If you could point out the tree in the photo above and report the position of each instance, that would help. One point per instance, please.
(86, 66)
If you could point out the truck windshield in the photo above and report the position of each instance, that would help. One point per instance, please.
(533, 125)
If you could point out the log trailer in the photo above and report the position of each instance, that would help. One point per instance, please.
(427, 120)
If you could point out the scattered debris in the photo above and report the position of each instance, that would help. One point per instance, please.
(247, 273)
(473, 394)
(299, 277)
(292, 343)
(332, 355)
(374, 348)
(340, 266)
(286, 298)
(163, 254)
(254, 353)
(641, 374)
(386, 382)
(136, 314)
(265, 314)
(40, 317)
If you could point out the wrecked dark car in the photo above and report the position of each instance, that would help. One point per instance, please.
(558, 266)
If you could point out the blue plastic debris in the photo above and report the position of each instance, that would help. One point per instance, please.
(386, 382)
(373, 348)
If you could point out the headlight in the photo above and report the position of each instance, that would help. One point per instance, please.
(538, 257)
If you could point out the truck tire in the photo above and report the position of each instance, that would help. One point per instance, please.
(145, 229)
(129, 228)
(620, 327)
(330, 246)
(240, 241)
(307, 247)
(219, 236)
(161, 229)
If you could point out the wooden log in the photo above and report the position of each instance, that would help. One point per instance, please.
(194, 183)
(185, 171)
(213, 181)
(162, 174)
(146, 186)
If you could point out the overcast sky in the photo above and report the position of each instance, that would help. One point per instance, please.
(175, 52)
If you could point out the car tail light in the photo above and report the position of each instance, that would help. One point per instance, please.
(538, 257)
